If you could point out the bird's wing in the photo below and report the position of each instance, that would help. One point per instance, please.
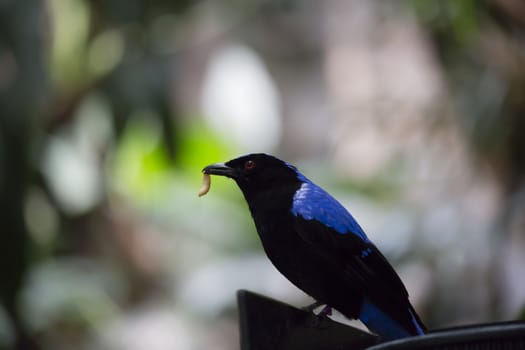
(366, 272)
(330, 229)
(364, 265)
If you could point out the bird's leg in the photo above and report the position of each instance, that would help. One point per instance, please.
(326, 311)
(320, 319)
(313, 306)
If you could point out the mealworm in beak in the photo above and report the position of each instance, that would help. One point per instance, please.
(206, 183)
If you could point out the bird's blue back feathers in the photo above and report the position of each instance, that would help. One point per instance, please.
(311, 202)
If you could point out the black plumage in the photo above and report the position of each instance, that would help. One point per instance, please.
(317, 244)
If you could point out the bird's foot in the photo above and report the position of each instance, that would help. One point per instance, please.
(320, 319)
(325, 312)
(312, 307)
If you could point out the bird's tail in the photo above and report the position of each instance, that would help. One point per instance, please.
(416, 321)
(388, 327)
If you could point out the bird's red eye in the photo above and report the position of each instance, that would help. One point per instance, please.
(249, 165)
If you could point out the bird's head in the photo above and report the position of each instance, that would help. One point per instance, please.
(257, 172)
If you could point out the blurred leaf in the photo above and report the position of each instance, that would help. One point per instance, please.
(105, 52)
(141, 164)
(142, 167)
(200, 146)
(70, 34)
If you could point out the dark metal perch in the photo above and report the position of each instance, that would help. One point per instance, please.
(267, 324)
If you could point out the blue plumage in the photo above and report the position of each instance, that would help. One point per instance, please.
(313, 203)
(318, 245)
(379, 321)
(374, 318)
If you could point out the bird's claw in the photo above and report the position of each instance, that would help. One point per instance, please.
(312, 307)
(326, 311)
(318, 320)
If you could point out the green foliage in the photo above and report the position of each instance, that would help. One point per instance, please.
(140, 163)
(141, 167)
(200, 146)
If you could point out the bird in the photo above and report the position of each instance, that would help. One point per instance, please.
(314, 241)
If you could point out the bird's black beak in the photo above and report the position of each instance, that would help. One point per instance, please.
(220, 169)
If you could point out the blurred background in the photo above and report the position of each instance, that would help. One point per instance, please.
(412, 113)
